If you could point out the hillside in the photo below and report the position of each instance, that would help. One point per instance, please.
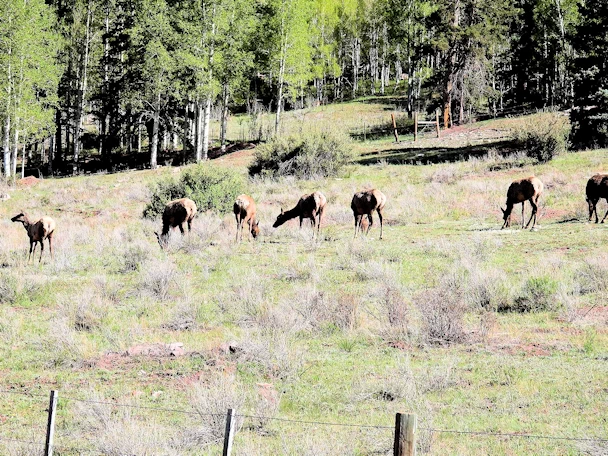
(338, 330)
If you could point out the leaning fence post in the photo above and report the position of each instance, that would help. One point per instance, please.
(395, 128)
(229, 434)
(50, 427)
(437, 123)
(405, 434)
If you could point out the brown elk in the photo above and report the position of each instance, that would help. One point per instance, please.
(520, 191)
(176, 213)
(244, 211)
(310, 206)
(597, 188)
(365, 203)
(37, 232)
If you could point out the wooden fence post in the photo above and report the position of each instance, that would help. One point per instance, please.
(229, 433)
(437, 122)
(405, 434)
(395, 128)
(50, 427)
(415, 126)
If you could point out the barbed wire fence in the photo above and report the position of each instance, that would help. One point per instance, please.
(403, 433)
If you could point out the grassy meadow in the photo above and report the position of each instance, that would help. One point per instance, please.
(472, 327)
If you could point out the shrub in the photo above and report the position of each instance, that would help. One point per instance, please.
(544, 136)
(210, 187)
(442, 309)
(537, 295)
(212, 400)
(318, 155)
(592, 276)
(9, 288)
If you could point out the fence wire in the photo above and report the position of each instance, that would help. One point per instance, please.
(32, 394)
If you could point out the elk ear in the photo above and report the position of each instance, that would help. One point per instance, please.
(503, 211)
(282, 211)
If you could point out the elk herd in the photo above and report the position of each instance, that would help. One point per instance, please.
(181, 212)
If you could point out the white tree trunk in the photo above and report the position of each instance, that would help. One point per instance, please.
(207, 124)
(154, 141)
(15, 151)
(224, 119)
(198, 131)
(7, 146)
(81, 92)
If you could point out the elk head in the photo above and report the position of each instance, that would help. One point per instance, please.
(282, 218)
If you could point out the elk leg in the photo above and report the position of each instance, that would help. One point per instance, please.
(357, 224)
(32, 244)
(237, 228)
(319, 224)
(189, 225)
(370, 219)
(249, 222)
(534, 209)
(380, 217)
(523, 219)
(51, 246)
(604, 215)
(181, 228)
(592, 207)
(41, 250)
(301, 219)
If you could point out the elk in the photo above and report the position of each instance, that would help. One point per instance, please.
(310, 206)
(597, 188)
(244, 211)
(520, 191)
(176, 213)
(365, 203)
(37, 232)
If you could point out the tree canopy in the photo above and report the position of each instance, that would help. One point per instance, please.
(104, 75)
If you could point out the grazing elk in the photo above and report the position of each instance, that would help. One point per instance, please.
(520, 191)
(310, 206)
(37, 232)
(597, 188)
(365, 203)
(176, 213)
(244, 210)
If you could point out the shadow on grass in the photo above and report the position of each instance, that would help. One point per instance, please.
(427, 155)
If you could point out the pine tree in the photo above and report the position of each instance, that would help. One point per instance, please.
(590, 118)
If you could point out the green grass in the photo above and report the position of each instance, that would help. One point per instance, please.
(279, 303)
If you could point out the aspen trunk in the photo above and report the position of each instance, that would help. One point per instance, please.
(224, 120)
(206, 125)
(7, 146)
(198, 132)
(81, 92)
(154, 139)
(15, 151)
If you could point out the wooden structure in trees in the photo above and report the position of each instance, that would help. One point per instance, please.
(426, 122)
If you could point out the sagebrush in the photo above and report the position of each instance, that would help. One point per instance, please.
(318, 155)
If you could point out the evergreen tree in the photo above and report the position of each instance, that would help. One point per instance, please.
(590, 117)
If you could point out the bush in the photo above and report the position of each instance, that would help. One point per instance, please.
(210, 187)
(319, 155)
(442, 310)
(544, 136)
(537, 295)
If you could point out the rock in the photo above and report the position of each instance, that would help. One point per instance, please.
(157, 350)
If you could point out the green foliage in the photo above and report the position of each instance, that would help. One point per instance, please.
(537, 295)
(305, 157)
(210, 187)
(544, 136)
(590, 117)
